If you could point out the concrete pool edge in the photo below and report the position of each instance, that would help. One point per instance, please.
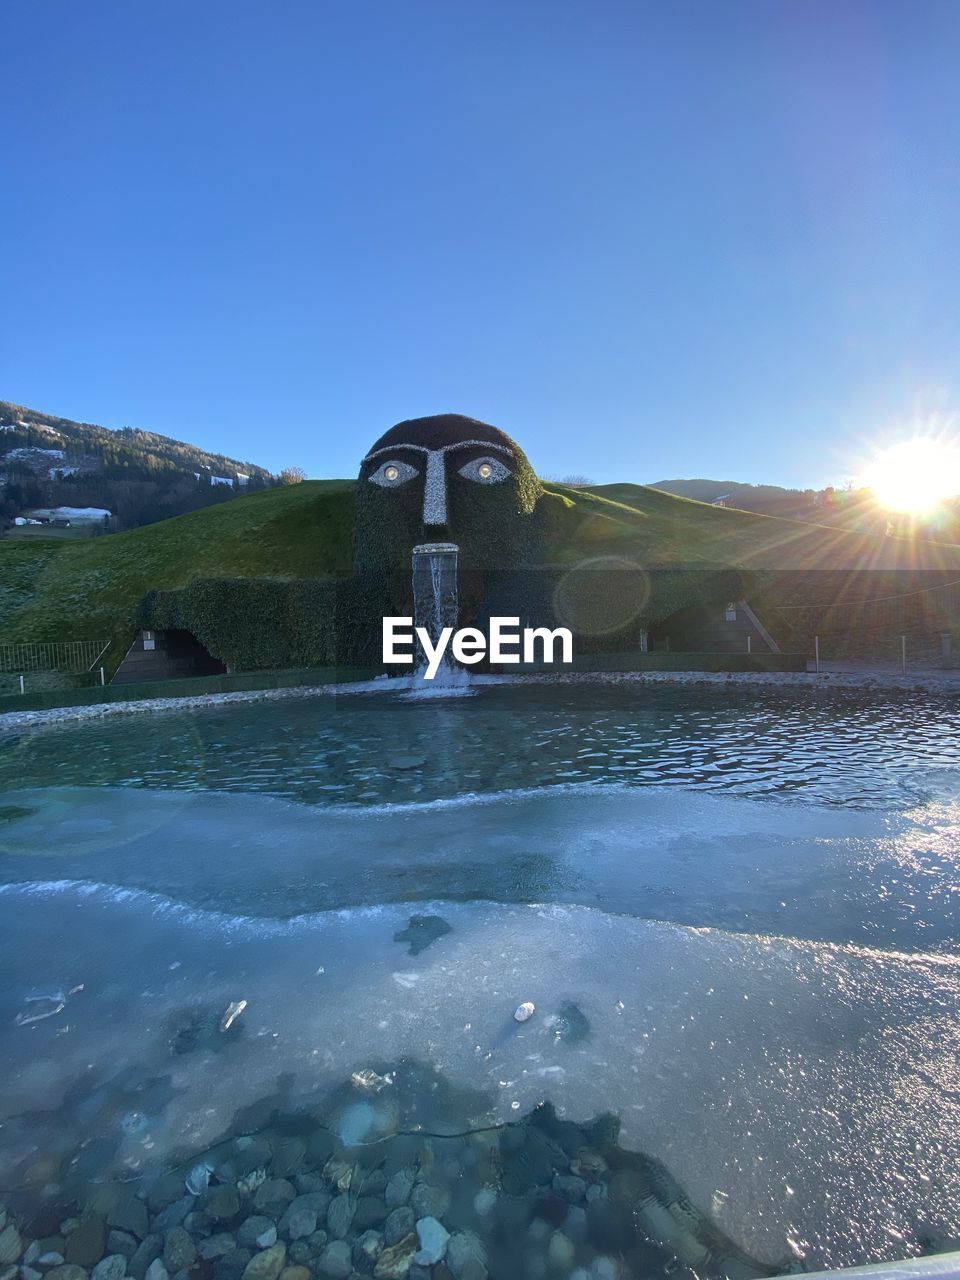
(946, 683)
(943, 1266)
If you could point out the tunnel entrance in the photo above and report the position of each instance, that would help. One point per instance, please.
(166, 655)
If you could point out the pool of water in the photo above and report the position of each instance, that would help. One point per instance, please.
(841, 748)
(735, 912)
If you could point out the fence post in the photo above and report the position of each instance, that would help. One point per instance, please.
(816, 653)
(749, 644)
(103, 678)
(903, 655)
(21, 684)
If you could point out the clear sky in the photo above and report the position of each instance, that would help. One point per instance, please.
(650, 240)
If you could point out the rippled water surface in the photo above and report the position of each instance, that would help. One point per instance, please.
(838, 748)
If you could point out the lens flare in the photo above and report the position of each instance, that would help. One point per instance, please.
(915, 475)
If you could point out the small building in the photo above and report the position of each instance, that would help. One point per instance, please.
(166, 655)
(711, 628)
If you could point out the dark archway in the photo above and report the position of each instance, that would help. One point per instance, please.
(166, 655)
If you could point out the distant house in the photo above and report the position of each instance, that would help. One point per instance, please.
(241, 479)
(722, 500)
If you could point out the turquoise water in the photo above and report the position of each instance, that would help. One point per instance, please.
(735, 912)
(844, 749)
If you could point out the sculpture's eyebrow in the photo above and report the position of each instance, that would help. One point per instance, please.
(458, 444)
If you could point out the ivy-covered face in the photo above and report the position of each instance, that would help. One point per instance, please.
(445, 479)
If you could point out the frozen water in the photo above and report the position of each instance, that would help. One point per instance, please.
(766, 1072)
(764, 990)
(841, 875)
(771, 1076)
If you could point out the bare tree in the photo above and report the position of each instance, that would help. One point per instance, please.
(574, 481)
(292, 475)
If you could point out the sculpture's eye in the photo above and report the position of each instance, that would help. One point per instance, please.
(391, 474)
(485, 471)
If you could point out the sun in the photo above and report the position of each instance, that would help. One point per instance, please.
(915, 475)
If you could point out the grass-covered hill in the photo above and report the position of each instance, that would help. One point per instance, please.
(92, 589)
(659, 529)
(846, 508)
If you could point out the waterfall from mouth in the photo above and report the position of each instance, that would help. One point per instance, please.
(436, 602)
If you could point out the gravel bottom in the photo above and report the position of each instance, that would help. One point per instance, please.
(291, 1201)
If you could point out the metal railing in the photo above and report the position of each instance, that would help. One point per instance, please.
(60, 655)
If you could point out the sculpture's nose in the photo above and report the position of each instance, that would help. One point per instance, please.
(435, 490)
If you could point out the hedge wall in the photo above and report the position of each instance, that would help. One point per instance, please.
(253, 623)
(256, 624)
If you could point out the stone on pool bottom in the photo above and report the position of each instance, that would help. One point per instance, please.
(765, 1074)
(542, 1196)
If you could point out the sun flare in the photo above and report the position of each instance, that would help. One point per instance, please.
(915, 475)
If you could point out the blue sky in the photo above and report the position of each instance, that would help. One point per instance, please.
(648, 239)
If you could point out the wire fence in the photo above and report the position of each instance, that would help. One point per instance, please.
(68, 656)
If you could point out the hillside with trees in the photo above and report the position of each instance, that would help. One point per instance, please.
(138, 476)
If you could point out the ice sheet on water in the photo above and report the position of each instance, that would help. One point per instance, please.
(885, 879)
(800, 1092)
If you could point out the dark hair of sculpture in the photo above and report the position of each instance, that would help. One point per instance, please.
(446, 478)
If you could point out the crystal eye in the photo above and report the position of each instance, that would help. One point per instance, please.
(485, 471)
(391, 474)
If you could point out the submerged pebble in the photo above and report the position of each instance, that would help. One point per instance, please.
(398, 1210)
(433, 1237)
(335, 1262)
(399, 1187)
(251, 1181)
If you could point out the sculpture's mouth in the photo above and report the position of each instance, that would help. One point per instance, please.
(436, 548)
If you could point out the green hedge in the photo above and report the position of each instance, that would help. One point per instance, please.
(252, 624)
(255, 624)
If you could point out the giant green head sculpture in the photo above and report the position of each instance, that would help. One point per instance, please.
(445, 479)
